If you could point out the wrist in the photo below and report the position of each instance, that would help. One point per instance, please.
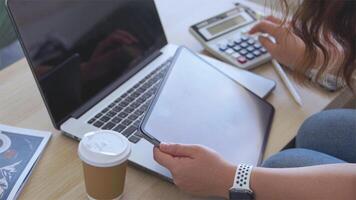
(227, 181)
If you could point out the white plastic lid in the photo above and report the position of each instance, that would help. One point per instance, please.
(104, 149)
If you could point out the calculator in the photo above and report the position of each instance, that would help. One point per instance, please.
(225, 36)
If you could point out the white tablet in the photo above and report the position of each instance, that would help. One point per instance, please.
(197, 104)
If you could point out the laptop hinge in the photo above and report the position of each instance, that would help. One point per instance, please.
(92, 102)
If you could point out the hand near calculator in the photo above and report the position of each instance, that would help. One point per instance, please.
(288, 47)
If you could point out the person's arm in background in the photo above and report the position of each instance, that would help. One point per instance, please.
(200, 171)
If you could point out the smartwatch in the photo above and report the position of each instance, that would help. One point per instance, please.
(241, 187)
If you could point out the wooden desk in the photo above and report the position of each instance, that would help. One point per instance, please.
(59, 173)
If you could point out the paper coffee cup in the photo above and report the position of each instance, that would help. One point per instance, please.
(104, 155)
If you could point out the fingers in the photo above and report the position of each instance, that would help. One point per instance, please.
(179, 150)
(274, 19)
(268, 44)
(268, 27)
(164, 159)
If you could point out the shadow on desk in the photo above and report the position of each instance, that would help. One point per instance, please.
(290, 145)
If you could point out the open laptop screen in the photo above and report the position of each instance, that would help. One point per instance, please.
(79, 48)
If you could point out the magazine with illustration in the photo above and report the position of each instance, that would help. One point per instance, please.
(19, 153)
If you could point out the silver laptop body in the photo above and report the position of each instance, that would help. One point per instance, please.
(98, 64)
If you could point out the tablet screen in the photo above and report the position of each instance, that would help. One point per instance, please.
(197, 104)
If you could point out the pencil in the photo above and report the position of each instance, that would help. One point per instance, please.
(291, 88)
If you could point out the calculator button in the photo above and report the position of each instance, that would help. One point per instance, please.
(241, 60)
(243, 52)
(235, 55)
(244, 38)
(250, 49)
(231, 43)
(238, 41)
(250, 56)
(257, 53)
(257, 45)
(263, 50)
(229, 51)
(251, 41)
(237, 48)
(244, 45)
(223, 47)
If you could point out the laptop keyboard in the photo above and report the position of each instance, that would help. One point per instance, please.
(124, 115)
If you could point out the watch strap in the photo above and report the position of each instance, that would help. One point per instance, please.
(242, 177)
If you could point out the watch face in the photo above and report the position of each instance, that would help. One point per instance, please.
(236, 194)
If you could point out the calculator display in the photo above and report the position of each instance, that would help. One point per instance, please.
(223, 23)
(230, 23)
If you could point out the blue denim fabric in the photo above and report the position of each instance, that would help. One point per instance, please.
(325, 138)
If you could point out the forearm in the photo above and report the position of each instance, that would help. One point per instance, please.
(320, 182)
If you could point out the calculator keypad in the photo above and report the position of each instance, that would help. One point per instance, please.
(243, 49)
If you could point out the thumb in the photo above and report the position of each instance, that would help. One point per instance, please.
(268, 44)
(178, 150)
(164, 159)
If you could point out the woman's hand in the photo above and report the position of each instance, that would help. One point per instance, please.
(288, 49)
(196, 169)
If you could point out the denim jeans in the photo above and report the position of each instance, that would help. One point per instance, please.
(328, 137)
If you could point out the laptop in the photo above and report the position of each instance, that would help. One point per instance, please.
(97, 64)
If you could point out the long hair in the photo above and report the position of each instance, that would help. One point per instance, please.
(327, 27)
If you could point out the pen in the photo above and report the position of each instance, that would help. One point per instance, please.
(292, 90)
